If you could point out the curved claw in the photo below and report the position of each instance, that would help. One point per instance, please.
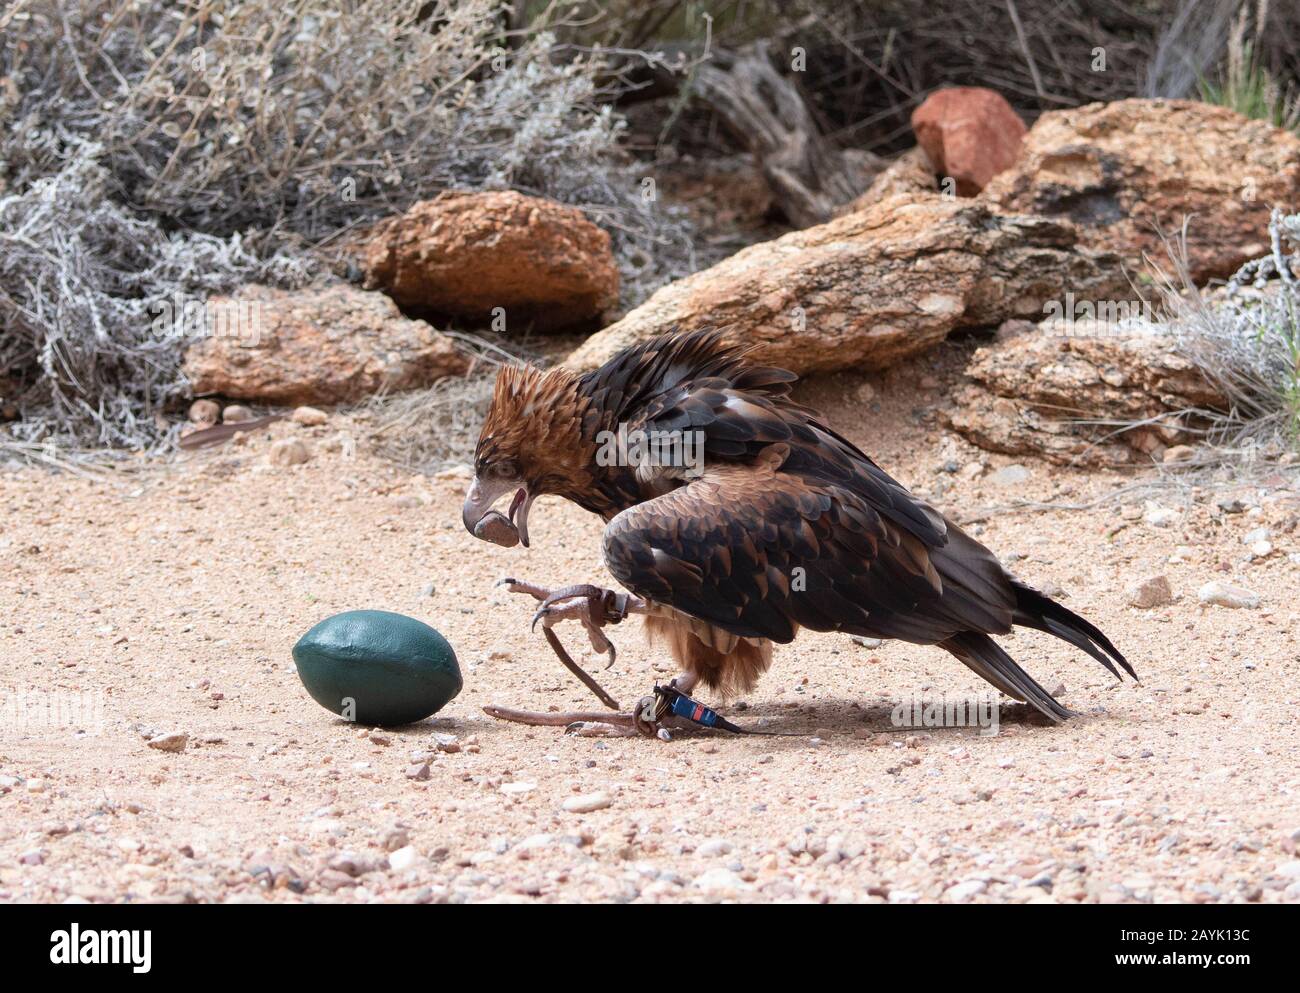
(591, 606)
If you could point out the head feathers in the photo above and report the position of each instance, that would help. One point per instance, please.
(535, 424)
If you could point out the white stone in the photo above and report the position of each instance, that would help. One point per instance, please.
(713, 847)
(1158, 516)
(586, 803)
(1010, 475)
(403, 858)
(719, 880)
(1222, 594)
(961, 892)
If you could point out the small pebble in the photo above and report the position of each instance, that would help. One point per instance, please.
(173, 741)
(714, 847)
(1159, 517)
(288, 451)
(403, 858)
(309, 416)
(586, 803)
(962, 892)
(1152, 591)
(1010, 475)
(205, 412)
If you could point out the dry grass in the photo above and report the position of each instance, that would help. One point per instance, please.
(430, 429)
(299, 117)
(1245, 339)
(1244, 84)
(80, 281)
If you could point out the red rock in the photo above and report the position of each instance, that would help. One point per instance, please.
(970, 134)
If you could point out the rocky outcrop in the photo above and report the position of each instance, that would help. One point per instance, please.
(326, 345)
(871, 287)
(1064, 391)
(1117, 170)
(970, 134)
(467, 254)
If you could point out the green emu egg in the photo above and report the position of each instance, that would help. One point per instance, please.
(378, 668)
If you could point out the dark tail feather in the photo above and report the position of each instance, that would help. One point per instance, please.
(1034, 610)
(985, 657)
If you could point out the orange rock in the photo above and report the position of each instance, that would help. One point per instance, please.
(1118, 170)
(970, 134)
(467, 254)
(323, 345)
(873, 287)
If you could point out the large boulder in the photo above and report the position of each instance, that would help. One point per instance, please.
(970, 134)
(1064, 391)
(466, 254)
(324, 345)
(1118, 170)
(872, 287)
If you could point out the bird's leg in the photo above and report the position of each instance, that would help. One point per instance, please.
(645, 718)
(685, 682)
(593, 607)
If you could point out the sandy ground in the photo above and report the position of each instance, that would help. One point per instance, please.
(174, 598)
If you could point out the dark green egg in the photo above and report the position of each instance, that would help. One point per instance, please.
(379, 668)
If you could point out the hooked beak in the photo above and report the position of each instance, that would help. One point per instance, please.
(484, 522)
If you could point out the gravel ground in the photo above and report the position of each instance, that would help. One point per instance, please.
(172, 598)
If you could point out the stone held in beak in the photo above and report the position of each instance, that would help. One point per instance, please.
(496, 528)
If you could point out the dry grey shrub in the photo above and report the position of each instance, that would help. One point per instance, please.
(150, 148)
(291, 120)
(83, 284)
(1245, 338)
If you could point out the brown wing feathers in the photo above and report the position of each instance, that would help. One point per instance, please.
(793, 526)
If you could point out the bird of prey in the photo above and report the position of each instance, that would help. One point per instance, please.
(777, 524)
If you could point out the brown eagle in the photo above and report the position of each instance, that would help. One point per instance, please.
(765, 521)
